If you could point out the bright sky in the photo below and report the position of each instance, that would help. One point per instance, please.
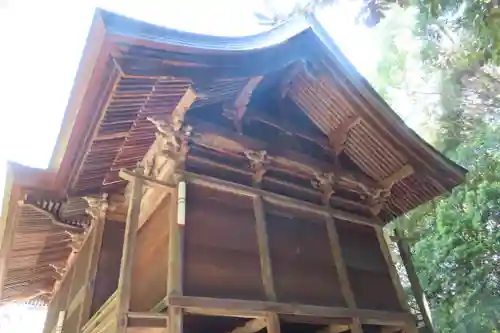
(42, 43)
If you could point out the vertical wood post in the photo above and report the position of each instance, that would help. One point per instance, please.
(410, 327)
(60, 322)
(345, 285)
(177, 220)
(129, 240)
(418, 292)
(273, 324)
(97, 230)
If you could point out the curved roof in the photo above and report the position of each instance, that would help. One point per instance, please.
(131, 70)
(123, 52)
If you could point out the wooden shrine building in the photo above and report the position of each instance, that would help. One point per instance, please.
(224, 185)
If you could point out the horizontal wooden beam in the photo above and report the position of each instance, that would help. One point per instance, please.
(288, 128)
(147, 181)
(272, 198)
(222, 139)
(277, 199)
(251, 326)
(289, 186)
(371, 317)
(334, 328)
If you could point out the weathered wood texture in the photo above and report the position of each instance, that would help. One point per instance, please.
(108, 267)
(366, 267)
(57, 304)
(221, 253)
(301, 256)
(222, 258)
(149, 272)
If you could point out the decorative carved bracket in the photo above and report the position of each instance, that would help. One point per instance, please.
(258, 163)
(76, 240)
(325, 182)
(93, 207)
(235, 111)
(180, 110)
(171, 142)
(338, 137)
(59, 270)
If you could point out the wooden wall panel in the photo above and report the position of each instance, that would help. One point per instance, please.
(221, 253)
(303, 266)
(108, 267)
(149, 271)
(366, 267)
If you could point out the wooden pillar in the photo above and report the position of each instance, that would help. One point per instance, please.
(410, 327)
(345, 285)
(130, 237)
(60, 322)
(418, 292)
(273, 324)
(177, 221)
(97, 230)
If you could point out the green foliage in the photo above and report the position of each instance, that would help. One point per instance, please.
(457, 254)
(456, 247)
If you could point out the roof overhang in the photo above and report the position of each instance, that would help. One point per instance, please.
(19, 180)
(121, 52)
(195, 56)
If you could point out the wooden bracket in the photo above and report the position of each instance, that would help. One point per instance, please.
(325, 182)
(171, 145)
(379, 200)
(180, 110)
(338, 137)
(236, 111)
(94, 206)
(258, 163)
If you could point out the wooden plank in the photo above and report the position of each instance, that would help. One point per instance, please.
(273, 323)
(263, 244)
(334, 328)
(251, 326)
(125, 279)
(273, 198)
(146, 330)
(259, 308)
(391, 267)
(226, 312)
(176, 256)
(97, 231)
(174, 271)
(175, 319)
(276, 199)
(410, 326)
(418, 292)
(345, 285)
(180, 110)
(8, 223)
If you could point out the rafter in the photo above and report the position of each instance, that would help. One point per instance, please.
(47, 210)
(228, 142)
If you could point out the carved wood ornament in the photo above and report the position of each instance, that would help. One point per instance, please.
(171, 144)
(258, 163)
(236, 111)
